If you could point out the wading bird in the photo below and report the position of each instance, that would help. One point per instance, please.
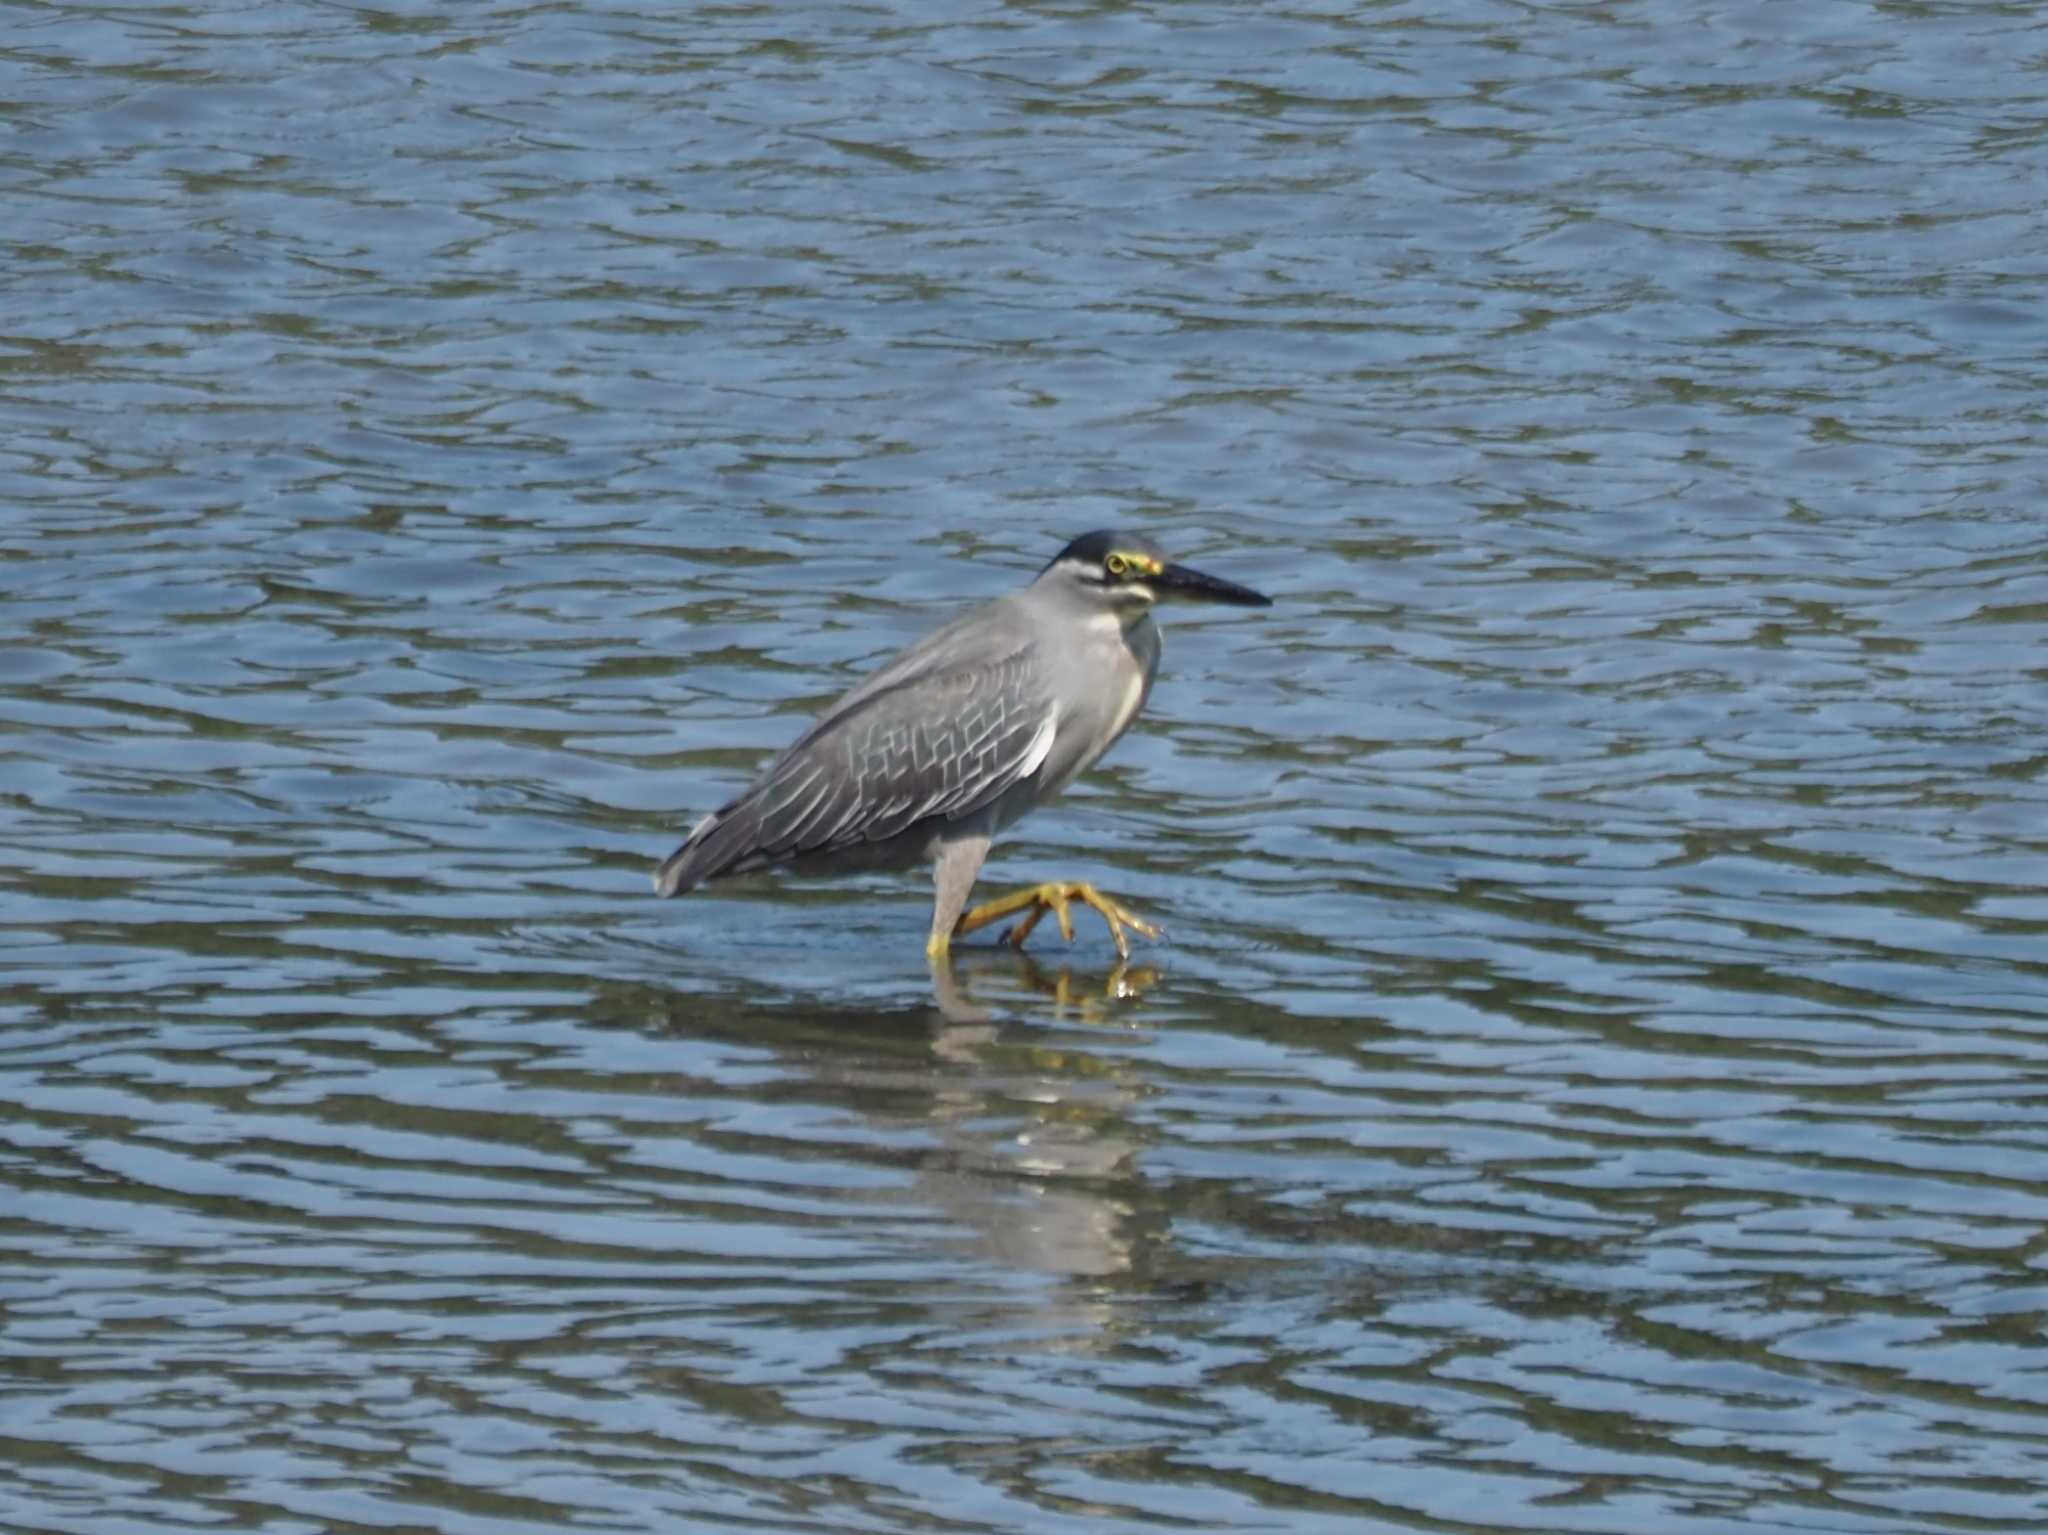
(955, 738)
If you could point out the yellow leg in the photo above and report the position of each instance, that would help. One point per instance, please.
(1054, 897)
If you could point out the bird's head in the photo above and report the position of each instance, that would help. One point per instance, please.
(1125, 573)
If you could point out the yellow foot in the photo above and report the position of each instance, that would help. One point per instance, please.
(1054, 897)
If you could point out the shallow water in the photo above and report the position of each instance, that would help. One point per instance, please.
(1596, 1074)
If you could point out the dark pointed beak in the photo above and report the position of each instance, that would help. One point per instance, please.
(1194, 586)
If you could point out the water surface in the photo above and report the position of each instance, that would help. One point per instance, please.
(1596, 1074)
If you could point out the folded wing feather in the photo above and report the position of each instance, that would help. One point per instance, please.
(941, 746)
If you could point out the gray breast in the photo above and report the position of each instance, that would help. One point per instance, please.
(1112, 671)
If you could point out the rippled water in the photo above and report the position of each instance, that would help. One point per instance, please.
(1596, 1076)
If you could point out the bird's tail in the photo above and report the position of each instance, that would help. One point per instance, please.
(686, 866)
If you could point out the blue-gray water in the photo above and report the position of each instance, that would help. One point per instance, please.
(1596, 1074)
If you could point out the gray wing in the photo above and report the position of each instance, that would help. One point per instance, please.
(919, 741)
(985, 636)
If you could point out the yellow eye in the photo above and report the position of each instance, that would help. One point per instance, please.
(1117, 565)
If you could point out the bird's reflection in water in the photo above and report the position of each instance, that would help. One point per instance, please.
(1101, 998)
(1038, 1156)
(1025, 1129)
